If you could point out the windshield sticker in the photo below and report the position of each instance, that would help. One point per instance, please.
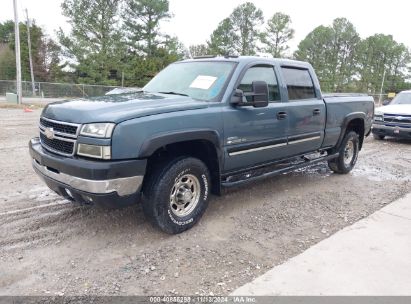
(203, 82)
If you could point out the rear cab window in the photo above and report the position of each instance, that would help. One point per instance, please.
(299, 83)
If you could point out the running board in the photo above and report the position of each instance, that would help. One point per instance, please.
(306, 163)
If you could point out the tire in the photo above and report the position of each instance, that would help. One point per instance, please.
(348, 154)
(378, 137)
(176, 194)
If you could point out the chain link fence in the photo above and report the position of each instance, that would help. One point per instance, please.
(54, 90)
(71, 90)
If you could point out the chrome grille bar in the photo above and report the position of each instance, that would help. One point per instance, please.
(63, 143)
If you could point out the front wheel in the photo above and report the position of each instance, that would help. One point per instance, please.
(176, 194)
(348, 154)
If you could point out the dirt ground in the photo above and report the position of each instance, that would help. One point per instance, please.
(51, 247)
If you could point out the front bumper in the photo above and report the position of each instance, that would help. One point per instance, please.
(387, 130)
(109, 183)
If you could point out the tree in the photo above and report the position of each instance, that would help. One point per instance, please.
(378, 54)
(7, 57)
(315, 48)
(7, 63)
(141, 68)
(331, 50)
(239, 33)
(41, 50)
(222, 39)
(277, 35)
(246, 20)
(95, 42)
(6, 31)
(48, 62)
(142, 23)
(198, 50)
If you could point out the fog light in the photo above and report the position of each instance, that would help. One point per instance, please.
(103, 152)
(88, 199)
(69, 193)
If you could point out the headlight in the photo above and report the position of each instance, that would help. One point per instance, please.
(378, 116)
(102, 152)
(101, 129)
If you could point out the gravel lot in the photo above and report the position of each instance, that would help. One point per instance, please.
(51, 247)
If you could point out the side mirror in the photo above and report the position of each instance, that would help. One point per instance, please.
(259, 96)
(386, 102)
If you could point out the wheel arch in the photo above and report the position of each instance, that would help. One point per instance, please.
(353, 122)
(202, 144)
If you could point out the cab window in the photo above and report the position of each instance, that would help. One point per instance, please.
(261, 73)
(299, 83)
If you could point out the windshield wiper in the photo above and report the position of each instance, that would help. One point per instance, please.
(174, 93)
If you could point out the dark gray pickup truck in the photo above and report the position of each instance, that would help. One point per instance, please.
(200, 125)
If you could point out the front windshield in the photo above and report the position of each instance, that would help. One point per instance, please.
(202, 80)
(402, 98)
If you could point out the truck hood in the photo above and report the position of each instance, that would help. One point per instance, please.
(396, 109)
(119, 107)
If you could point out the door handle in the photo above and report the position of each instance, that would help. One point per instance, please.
(281, 115)
(316, 112)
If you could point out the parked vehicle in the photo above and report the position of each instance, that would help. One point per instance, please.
(198, 126)
(394, 119)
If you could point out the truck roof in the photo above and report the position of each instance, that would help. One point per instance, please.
(251, 59)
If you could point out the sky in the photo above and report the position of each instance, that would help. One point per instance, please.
(194, 20)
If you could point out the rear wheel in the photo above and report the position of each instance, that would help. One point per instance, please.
(348, 154)
(176, 194)
(378, 137)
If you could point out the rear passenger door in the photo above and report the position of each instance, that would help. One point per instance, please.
(306, 111)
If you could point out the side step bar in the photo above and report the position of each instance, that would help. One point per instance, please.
(303, 164)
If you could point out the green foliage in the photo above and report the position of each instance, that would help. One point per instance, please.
(115, 39)
(6, 31)
(331, 50)
(222, 39)
(199, 50)
(109, 41)
(45, 53)
(246, 20)
(238, 33)
(277, 34)
(7, 62)
(95, 43)
(378, 54)
(344, 62)
(140, 69)
(142, 24)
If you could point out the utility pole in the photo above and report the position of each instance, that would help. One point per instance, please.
(33, 87)
(122, 79)
(18, 63)
(382, 86)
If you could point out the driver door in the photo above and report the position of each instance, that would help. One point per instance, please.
(255, 135)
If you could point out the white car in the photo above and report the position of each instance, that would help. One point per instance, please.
(123, 91)
(394, 119)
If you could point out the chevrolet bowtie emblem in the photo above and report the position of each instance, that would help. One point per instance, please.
(49, 132)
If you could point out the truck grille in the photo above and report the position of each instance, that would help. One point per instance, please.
(400, 120)
(57, 145)
(59, 126)
(58, 137)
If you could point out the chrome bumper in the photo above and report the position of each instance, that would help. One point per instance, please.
(384, 127)
(123, 186)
